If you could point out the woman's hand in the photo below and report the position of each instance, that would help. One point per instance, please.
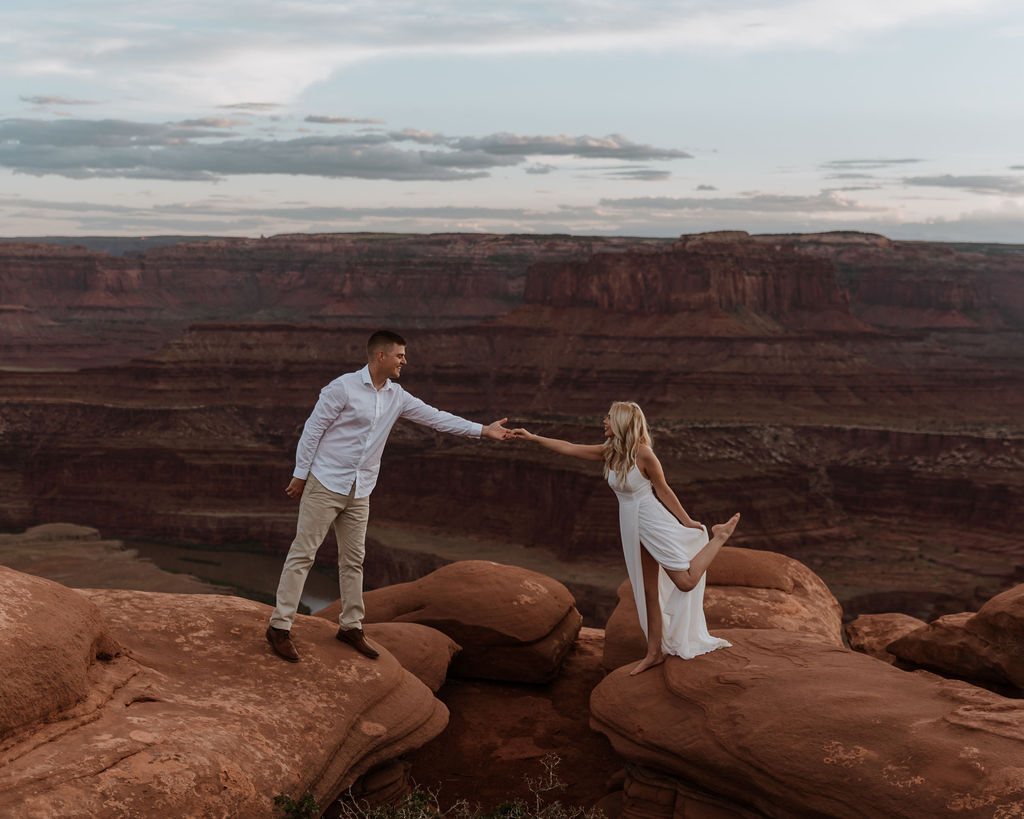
(526, 435)
(693, 524)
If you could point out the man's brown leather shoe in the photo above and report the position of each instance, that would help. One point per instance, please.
(281, 641)
(354, 637)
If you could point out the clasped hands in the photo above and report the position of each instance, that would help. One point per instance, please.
(497, 431)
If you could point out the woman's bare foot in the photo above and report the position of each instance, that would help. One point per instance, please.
(649, 661)
(724, 530)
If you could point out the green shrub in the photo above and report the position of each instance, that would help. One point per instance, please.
(305, 808)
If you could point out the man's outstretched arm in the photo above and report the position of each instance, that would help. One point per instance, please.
(419, 412)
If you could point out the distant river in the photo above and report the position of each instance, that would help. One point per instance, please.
(248, 574)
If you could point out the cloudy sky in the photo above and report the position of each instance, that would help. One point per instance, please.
(644, 118)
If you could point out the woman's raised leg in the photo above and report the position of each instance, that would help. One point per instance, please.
(687, 579)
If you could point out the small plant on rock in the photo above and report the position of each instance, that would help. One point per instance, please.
(305, 808)
(422, 803)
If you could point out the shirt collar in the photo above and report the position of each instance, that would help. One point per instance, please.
(365, 373)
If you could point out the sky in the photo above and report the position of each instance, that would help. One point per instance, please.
(640, 118)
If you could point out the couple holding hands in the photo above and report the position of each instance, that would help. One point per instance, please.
(336, 464)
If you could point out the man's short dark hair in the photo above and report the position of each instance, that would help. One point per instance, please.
(383, 339)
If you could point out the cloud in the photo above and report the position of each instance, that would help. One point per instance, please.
(265, 49)
(254, 107)
(824, 202)
(54, 205)
(324, 120)
(190, 150)
(1004, 224)
(423, 137)
(706, 188)
(638, 174)
(539, 169)
(56, 100)
(1013, 185)
(113, 148)
(613, 146)
(851, 176)
(867, 164)
(214, 122)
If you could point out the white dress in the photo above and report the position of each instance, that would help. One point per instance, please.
(642, 519)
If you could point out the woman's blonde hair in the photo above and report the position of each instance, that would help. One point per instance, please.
(629, 433)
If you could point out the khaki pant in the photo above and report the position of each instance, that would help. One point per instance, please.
(319, 509)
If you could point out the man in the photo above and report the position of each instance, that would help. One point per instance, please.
(336, 466)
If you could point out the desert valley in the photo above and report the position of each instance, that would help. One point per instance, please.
(859, 401)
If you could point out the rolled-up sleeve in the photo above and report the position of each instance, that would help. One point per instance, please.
(333, 399)
(420, 412)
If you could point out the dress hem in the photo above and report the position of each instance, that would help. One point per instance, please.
(723, 644)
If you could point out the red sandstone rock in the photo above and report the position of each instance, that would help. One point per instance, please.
(499, 732)
(785, 724)
(512, 624)
(50, 637)
(872, 633)
(747, 588)
(752, 588)
(199, 718)
(422, 651)
(1001, 619)
(986, 647)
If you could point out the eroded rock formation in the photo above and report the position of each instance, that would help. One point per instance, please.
(52, 637)
(424, 651)
(986, 647)
(786, 724)
(143, 703)
(133, 703)
(511, 624)
(872, 633)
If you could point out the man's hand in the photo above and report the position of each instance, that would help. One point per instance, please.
(295, 487)
(496, 431)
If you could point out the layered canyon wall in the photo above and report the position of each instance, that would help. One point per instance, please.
(886, 454)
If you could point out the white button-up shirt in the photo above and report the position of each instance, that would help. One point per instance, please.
(344, 436)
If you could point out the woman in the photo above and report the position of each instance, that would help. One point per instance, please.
(667, 552)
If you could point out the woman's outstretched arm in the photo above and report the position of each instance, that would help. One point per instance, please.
(651, 468)
(586, 452)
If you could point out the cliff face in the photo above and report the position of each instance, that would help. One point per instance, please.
(74, 307)
(769, 393)
(94, 308)
(911, 285)
(695, 275)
